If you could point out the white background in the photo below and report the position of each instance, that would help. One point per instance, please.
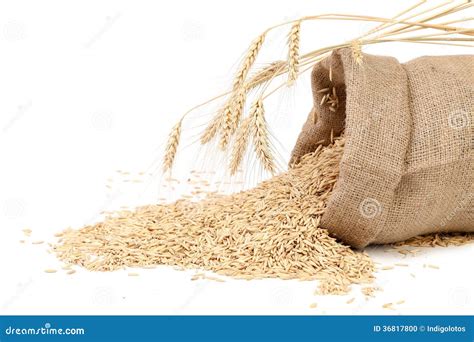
(87, 88)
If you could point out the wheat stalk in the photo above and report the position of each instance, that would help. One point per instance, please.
(172, 147)
(241, 143)
(293, 53)
(389, 30)
(260, 137)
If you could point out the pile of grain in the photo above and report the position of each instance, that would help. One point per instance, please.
(269, 231)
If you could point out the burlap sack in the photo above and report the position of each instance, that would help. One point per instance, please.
(408, 163)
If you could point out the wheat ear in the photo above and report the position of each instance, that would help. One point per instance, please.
(265, 74)
(248, 62)
(237, 110)
(357, 51)
(227, 119)
(260, 137)
(241, 143)
(231, 116)
(172, 147)
(293, 53)
(211, 129)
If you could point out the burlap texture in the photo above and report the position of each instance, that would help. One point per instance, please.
(408, 163)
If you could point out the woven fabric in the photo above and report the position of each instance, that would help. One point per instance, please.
(408, 163)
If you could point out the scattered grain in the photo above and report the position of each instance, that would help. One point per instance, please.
(386, 268)
(370, 291)
(431, 266)
(439, 240)
(271, 230)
